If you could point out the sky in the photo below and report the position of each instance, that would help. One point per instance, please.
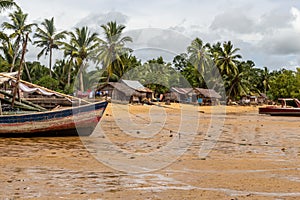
(266, 31)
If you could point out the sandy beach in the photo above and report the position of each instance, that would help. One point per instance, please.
(160, 152)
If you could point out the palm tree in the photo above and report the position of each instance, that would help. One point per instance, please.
(112, 48)
(199, 55)
(81, 47)
(238, 84)
(7, 49)
(70, 54)
(6, 4)
(266, 77)
(190, 74)
(36, 71)
(48, 39)
(19, 28)
(227, 59)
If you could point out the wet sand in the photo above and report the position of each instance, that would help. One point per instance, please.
(234, 155)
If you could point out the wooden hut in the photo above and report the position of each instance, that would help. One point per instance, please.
(183, 95)
(207, 96)
(126, 91)
(139, 90)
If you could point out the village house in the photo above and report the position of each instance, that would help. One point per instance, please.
(125, 91)
(194, 95)
(182, 95)
(207, 96)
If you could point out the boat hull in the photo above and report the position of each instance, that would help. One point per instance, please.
(80, 121)
(277, 111)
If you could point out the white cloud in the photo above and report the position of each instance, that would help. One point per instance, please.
(95, 20)
(265, 31)
(233, 21)
(296, 22)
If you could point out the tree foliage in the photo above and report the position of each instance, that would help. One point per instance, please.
(203, 65)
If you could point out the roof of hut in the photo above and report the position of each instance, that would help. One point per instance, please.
(127, 87)
(210, 93)
(182, 90)
(119, 86)
(136, 85)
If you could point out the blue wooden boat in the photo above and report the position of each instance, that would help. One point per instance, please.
(80, 120)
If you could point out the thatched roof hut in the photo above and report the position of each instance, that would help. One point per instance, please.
(207, 96)
(180, 94)
(207, 93)
(125, 90)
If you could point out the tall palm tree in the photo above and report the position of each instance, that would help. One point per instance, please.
(227, 59)
(199, 55)
(238, 84)
(266, 77)
(81, 47)
(6, 4)
(19, 28)
(112, 48)
(70, 54)
(48, 39)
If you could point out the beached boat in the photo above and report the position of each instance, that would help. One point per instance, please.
(80, 120)
(288, 107)
(26, 118)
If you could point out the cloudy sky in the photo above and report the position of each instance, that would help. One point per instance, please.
(266, 31)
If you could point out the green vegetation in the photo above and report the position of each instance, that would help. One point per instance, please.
(112, 60)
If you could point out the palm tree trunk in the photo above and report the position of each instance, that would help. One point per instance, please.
(81, 79)
(27, 72)
(50, 62)
(15, 56)
(14, 60)
(69, 72)
(69, 76)
(107, 79)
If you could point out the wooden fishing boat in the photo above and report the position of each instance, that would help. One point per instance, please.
(80, 120)
(288, 107)
(76, 120)
(31, 119)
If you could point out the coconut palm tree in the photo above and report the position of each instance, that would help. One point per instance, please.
(81, 47)
(19, 29)
(266, 78)
(7, 49)
(6, 4)
(227, 59)
(112, 48)
(70, 55)
(238, 84)
(199, 55)
(48, 39)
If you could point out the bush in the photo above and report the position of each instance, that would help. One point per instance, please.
(48, 82)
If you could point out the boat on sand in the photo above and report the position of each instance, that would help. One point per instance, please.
(288, 107)
(24, 118)
(80, 120)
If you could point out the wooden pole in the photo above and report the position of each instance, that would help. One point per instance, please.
(0, 107)
(19, 71)
(43, 88)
